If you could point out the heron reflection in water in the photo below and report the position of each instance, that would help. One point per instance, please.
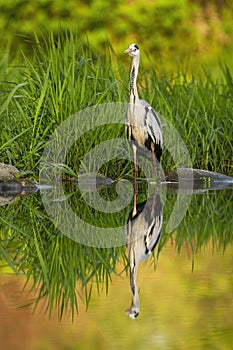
(143, 234)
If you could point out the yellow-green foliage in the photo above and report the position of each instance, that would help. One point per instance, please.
(169, 30)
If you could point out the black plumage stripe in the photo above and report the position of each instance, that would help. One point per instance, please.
(149, 143)
(155, 243)
(152, 142)
(128, 132)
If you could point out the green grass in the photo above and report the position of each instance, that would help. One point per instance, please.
(201, 112)
(63, 77)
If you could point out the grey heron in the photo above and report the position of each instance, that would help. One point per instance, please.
(143, 127)
(143, 234)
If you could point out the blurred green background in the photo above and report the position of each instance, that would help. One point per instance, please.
(173, 33)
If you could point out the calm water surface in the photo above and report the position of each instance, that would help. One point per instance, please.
(185, 286)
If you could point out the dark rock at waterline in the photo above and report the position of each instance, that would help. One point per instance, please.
(15, 186)
(92, 182)
(196, 175)
(189, 180)
(8, 171)
(12, 185)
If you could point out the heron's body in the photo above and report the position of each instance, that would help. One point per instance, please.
(143, 125)
(144, 129)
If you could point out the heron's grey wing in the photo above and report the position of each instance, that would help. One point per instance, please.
(153, 234)
(153, 123)
(145, 228)
(154, 219)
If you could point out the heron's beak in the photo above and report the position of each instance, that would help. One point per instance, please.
(128, 312)
(127, 51)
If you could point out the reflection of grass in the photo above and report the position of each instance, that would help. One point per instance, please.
(63, 78)
(208, 218)
(31, 245)
(54, 263)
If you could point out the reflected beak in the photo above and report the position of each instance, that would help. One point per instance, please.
(128, 311)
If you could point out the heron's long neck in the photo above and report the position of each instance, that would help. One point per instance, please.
(133, 80)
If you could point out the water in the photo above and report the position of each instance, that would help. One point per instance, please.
(185, 286)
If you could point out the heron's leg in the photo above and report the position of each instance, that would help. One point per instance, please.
(154, 159)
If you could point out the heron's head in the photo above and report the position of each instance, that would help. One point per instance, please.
(134, 309)
(133, 50)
